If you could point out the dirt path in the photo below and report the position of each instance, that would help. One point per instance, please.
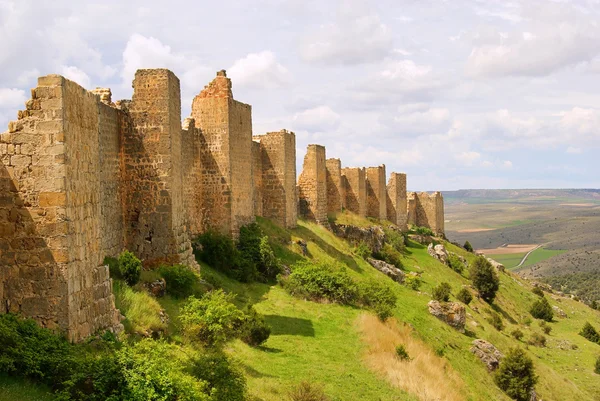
(526, 255)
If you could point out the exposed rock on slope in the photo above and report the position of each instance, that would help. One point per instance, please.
(487, 353)
(438, 252)
(373, 236)
(389, 270)
(453, 313)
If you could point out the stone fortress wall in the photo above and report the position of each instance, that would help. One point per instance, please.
(83, 178)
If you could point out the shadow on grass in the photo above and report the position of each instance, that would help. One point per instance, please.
(250, 371)
(309, 235)
(269, 350)
(503, 313)
(285, 325)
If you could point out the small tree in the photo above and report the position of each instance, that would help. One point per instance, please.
(516, 375)
(589, 332)
(594, 304)
(464, 296)
(468, 246)
(130, 267)
(541, 309)
(442, 292)
(538, 291)
(517, 334)
(455, 263)
(597, 367)
(484, 278)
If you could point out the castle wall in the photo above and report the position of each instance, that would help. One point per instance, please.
(376, 192)
(334, 185)
(396, 202)
(154, 201)
(411, 209)
(192, 177)
(226, 129)
(429, 211)
(257, 173)
(278, 180)
(312, 185)
(354, 184)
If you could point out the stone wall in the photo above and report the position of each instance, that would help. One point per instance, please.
(355, 189)
(226, 129)
(429, 211)
(278, 179)
(191, 152)
(397, 208)
(257, 173)
(376, 192)
(411, 208)
(312, 185)
(334, 185)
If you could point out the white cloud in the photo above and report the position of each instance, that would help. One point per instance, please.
(468, 158)
(418, 119)
(318, 119)
(507, 164)
(259, 70)
(574, 150)
(147, 52)
(357, 36)
(12, 98)
(75, 74)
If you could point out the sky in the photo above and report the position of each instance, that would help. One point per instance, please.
(457, 94)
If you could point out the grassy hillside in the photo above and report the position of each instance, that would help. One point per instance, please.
(351, 354)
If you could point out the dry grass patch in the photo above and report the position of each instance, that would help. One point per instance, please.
(425, 375)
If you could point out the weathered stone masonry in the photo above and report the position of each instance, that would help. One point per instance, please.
(83, 178)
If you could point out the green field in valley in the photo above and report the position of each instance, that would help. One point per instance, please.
(512, 260)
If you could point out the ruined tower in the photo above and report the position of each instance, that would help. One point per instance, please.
(397, 209)
(312, 185)
(355, 189)
(226, 129)
(334, 185)
(376, 192)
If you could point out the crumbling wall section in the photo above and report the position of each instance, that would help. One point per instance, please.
(257, 182)
(191, 150)
(376, 192)
(156, 226)
(312, 185)
(396, 202)
(429, 211)
(334, 185)
(278, 164)
(354, 184)
(411, 208)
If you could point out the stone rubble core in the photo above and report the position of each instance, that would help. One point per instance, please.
(83, 178)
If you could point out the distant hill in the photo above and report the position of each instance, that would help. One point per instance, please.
(523, 194)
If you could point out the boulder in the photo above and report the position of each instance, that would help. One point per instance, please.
(497, 265)
(389, 270)
(487, 353)
(453, 313)
(559, 312)
(373, 236)
(421, 239)
(438, 252)
(157, 288)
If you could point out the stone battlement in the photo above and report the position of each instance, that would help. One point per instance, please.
(83, 178)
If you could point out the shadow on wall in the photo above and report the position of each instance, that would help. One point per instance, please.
(289, 326)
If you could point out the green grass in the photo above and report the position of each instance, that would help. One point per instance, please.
(510, 260)
(15, 389)
(541, 254)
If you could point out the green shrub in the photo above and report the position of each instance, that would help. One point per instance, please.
(537, 339)
(468, 246)
(496, 321)
(396, 239)
(464, 296)
(455, 263)
(538, 291)
(306, 391)
(254, 247)
(442, 292)
(321, 282)
(401, 353)
(412, 281)
(130, 267)
(517, 334)
(541, 309)
(545, 327)
(220, 252)
(254, 331)
(362, 250)
(516, 375)
(589, 332)
(597, 367)
(212, 319)
(142, 311)
(113, 267)
(594, 305)
(180, 280)
(390, 255)
(527, 321)
(226, 382)
(377, 297)
(156, 370)
(423, 231)
(484, 278)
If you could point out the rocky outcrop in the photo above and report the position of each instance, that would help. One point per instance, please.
(157, 288)
(421, 239)
(389, 270)
(452, 313)
(487, 353)
(373, 236)
(559, 312)
(438, 252)
(497, 265)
